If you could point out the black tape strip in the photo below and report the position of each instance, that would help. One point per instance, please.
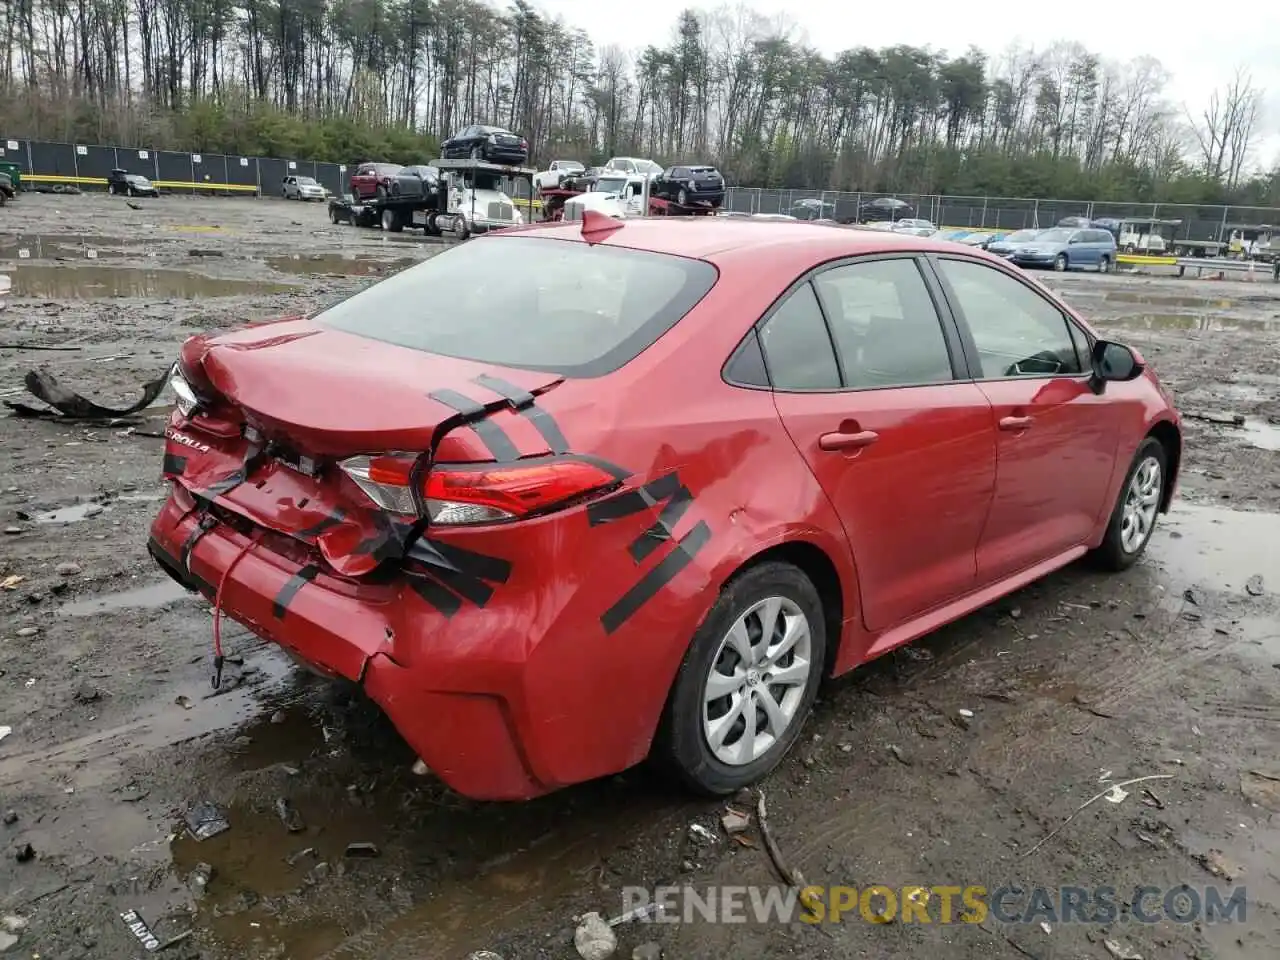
(524, 402)
(490, 434)
(633, 501)
(173, 464)
(190, 580)
(468, 562)
(468, 587)
(388, 543)
(663, 573)
(291, 587)
(320, 526)
(225, 485)
(436, 595)
(664, 528)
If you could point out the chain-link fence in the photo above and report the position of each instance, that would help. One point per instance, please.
(1183, 221)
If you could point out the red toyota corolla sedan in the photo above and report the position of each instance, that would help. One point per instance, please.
(567, 497)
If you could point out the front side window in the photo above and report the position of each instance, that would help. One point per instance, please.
(535, 303)
(884, 323)
(1017, 332)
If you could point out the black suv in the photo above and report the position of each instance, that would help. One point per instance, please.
(690, 184)
(122, 182)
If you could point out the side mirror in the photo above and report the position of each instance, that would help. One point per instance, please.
(1073, 240)
(1115, 362)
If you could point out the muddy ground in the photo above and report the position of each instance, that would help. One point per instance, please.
(1171, 669)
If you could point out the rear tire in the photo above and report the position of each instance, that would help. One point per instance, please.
(1104, 265)
(333, 215)
(1133, 518)
(689, 722)
(391, 222)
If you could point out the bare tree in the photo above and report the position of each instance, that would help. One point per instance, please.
(1225, 129)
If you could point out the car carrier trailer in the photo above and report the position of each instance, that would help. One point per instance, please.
(471, 199)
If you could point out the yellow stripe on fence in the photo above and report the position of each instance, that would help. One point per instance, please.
(170, 184)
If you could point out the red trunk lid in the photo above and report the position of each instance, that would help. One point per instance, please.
(316, 396)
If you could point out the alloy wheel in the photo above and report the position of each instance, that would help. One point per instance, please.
(757, 681)
(1141, 502)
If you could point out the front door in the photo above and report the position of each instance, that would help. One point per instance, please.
(862, 368)
(1056, 438)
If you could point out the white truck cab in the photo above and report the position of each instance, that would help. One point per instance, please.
(615, 194)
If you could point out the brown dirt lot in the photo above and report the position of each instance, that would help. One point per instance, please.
(1083, 680)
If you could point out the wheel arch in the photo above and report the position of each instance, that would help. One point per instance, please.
(1169, 437)
(816, 564)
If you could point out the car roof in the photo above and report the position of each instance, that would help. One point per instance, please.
(721, 239)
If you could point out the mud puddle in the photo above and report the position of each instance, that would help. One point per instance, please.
(72, 514)
(1187, 321)
(1160, 300)
(354, 265)
(1263, 435)
(1217, 548)
(53, 247)
(151, 597)
(88, 283)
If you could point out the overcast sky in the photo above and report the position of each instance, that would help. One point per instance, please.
(1201, 46)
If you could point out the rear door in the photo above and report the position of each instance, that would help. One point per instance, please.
(869, 381)
(1056, 438)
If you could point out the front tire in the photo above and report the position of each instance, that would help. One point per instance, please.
(1133, 519)
(1104, 265)
(747, 682)
(1060, 263)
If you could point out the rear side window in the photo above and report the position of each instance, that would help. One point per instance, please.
(560, 306)
(797, 347)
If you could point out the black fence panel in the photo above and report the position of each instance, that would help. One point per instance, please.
(173, 171)
(52, 162)
(333, 177)
(16, 151)
(271, 174)
(137, 160)
(242, 172)
(94, 162)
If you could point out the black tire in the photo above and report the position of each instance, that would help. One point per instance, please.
(333, 215)
(1111, 554)
(477, 153)
(391, 222)
(682, 198)
(1060, 263)
(380, 192)
(111, 189)
(680, 748)
(1104, 265)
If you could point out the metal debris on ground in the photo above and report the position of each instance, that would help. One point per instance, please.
(362, 848)
(289, 816)
(594, 939)
(647, 912)
(1253, 586)
(1120, 952)
(138, 927)
(72, 406)
(5, 731)
(698, 832)
(206, 820)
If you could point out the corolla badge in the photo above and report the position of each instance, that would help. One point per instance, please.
(186, 441)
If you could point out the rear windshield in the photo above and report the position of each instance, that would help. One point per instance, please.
(560, 306)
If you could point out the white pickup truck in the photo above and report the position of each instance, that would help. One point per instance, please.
(554, 175)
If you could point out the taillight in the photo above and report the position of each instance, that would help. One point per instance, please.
(470, 493)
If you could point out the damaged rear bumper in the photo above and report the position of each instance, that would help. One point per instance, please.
(462, 730)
